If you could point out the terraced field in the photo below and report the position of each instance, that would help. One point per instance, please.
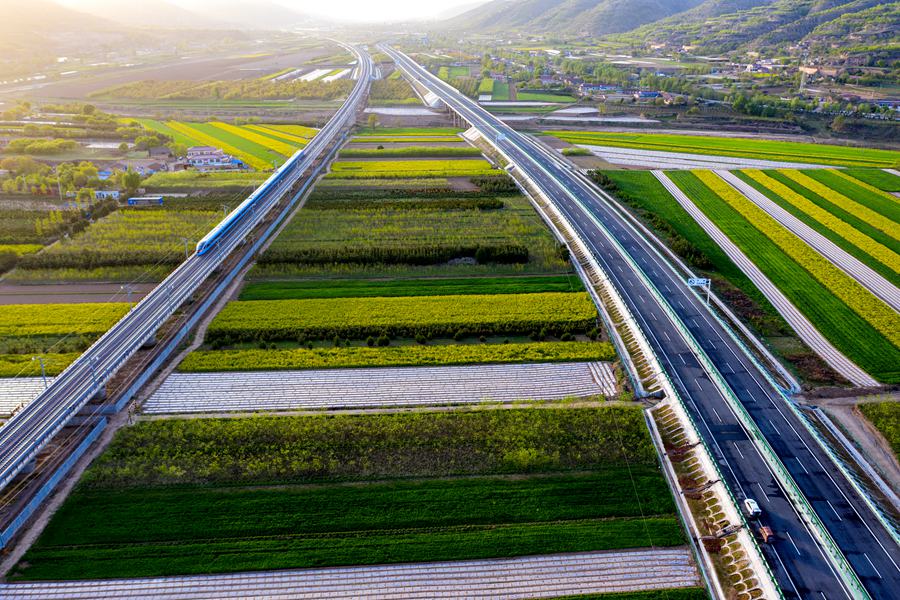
(168, 496)
(740, 147)
(857, 323)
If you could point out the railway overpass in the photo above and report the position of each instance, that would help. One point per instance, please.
(829, 543)
(29, 430)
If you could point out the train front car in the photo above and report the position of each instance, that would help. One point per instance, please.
(210, 239)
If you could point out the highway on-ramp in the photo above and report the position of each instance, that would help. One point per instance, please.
(28, 431)
(687, 336)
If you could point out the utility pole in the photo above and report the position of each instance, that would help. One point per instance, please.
(224, 210)
(40, 360)
(128, 289)
(187, 253)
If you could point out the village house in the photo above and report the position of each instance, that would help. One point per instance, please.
(206, 158)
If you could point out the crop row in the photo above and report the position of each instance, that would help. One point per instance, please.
(847, 330)
(877, 178)
(206, 361)
(128, 237)
(873, 200)
(23, 365)
(193, 180)
(410, 151)
(405, 202)
(877, 220)
(295, 141)
(264, 140)
(882, 254)
(313, 449)
(854, 295)
(428, 316)
(25, 320)
(354, 288)
(761, 149)
(410, 168)
(201, 138)
(513, 233)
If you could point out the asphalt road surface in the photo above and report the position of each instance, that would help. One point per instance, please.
(799, 564)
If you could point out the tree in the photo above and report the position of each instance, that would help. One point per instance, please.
(84, 195)
(839, 124)
(123, 147)
(131, 180)
(373, 121)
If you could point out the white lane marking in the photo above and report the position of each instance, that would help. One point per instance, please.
(873, 566)
(717, 414)
(738, 448)
(666, 335)
(802, 466)
(761, 489)
(775, 429)
(834, 510)
(794, 544)
(784, 568)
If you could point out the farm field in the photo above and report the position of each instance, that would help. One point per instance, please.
(427, 316)
(57, 332)
(127, 239)
(259, 146)
(881, 258)
(876, 177)
(417, 355)
(188, 181)
(400, 169)
(856, 322)
(741, 147)
(885, 416)
(442, 486)
(283, 290)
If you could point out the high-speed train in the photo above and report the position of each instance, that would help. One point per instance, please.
(248, 205)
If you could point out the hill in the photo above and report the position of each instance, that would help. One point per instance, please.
(157, 14)
(594, 17)
(774, 25)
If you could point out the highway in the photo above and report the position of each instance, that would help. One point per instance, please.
(685, 334)
(26, 433)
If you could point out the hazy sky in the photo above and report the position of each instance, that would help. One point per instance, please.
(353, 10)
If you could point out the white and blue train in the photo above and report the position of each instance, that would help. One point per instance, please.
(248, 205)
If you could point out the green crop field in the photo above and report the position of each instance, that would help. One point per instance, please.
(486, 86)
(127, 237)
(501, 91)
(878, 207)
(512, 235)
(750, 148)
(387, 169)
(257, 145)
(350, 357)
(363, 132)
(428, 316)
(543, 97)
(405, 139)
(354, 288)
(582, 479)
(876, 177)
(877, 256)
(859, 338)
(885, 416)
(843, 210)
(410, 151)
(193, 180)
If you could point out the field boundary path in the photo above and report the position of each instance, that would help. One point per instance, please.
(659, 159)
(864, 275)
(378, 387)
(548, 576)
(798, 322)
